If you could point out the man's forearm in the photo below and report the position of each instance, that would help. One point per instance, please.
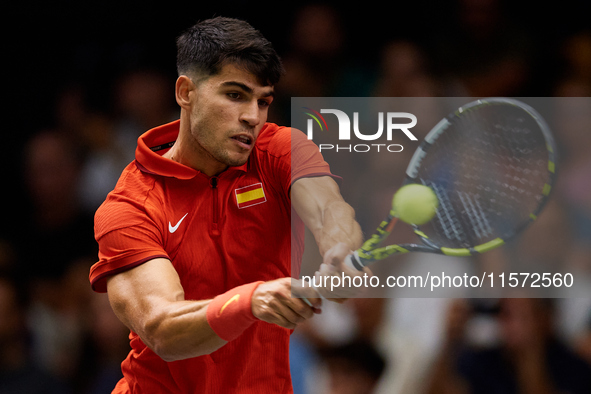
(182, 332)
(338, 225)
(331, 220)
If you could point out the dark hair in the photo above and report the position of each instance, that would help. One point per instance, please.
(207, 46)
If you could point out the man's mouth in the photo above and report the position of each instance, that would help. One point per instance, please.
(244, 140)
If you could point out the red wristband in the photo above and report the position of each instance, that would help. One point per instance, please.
(229, 314)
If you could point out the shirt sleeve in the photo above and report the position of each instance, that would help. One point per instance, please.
(127, 237)
(297, 157)
(306, 159)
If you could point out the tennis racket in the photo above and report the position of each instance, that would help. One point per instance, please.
(491, 164)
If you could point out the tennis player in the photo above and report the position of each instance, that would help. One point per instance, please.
(197, 239)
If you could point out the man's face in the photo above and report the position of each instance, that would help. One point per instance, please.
(228, 112)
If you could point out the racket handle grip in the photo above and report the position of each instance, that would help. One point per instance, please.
(354, 262)
(319, 295)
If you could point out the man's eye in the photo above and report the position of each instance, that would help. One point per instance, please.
(234, 96)
(264, 103)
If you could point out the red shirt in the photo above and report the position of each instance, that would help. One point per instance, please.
(219, 232)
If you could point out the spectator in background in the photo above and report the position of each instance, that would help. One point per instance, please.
(317, 61)
(53, 243)
(583, 345)
(18, 373)
(53, 231)
(93, 129)
(314, 61)
(576, 55)
(353, 368)
(481, 52)
(342, 341)
(108, 345)
(404, 72)
(143, 100)
(74, 335)
(529, 357)
(573, 122)
(444, 377)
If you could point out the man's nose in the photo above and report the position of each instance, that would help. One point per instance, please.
(251, 114)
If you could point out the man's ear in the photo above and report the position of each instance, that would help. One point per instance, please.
(183, 87)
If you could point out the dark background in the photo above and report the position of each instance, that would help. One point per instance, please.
(50, 48)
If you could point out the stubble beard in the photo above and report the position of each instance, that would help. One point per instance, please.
(216, 150)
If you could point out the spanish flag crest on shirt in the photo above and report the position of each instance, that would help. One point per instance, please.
(250, 195)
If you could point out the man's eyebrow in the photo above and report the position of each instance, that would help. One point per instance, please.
(246, 88)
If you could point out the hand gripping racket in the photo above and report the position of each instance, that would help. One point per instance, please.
(491, 164)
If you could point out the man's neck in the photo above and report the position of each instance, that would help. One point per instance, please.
(188, 152)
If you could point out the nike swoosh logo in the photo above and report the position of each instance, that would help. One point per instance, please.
(172, 228)
(234, 298)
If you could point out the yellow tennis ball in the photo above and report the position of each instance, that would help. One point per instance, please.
(415, 204)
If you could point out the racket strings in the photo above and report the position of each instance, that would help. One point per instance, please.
(446, 215)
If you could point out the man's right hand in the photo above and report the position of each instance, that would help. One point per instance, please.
(273, 302)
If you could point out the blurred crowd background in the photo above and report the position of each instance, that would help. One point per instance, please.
(84, 80)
